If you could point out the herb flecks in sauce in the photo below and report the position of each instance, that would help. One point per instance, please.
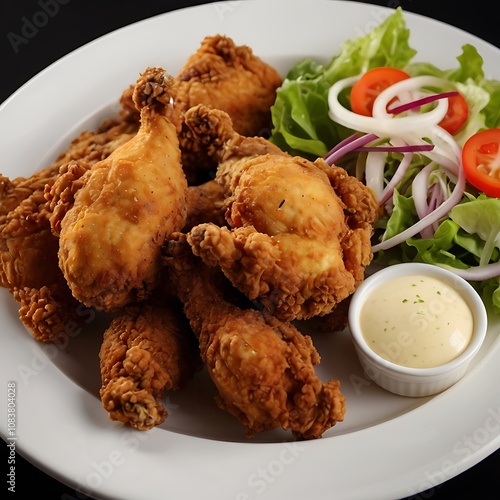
(431, 325)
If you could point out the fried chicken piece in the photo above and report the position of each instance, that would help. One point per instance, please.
(335, 321)
(29, 270)
(299, 232)
(205, 204)
(128, 203)
(14, 191)
(147, 350)
(230, 77)
(29, 266)
(361, 212)
(263, 368)
(60, 195)
(92, 146)
(222, 75)
(88, 148)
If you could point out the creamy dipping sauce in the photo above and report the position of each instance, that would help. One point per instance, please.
(416, 321)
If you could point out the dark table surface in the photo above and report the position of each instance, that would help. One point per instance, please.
(80, 21)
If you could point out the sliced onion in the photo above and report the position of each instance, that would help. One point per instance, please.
(343, 143)
(348, 145)
(374, 172)
(410, 148)
(429, 219)
(356, 143)
(435, 199)
(420, 190)
(360, 168)
(408, 106)
(441, 137)
(447, 163)
(439, 192)
(386, 126)
(414, 84)
(405, 135)
(396, 178)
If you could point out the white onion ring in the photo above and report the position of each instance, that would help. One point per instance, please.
(419, 191)
(385, 125)
(374, 172)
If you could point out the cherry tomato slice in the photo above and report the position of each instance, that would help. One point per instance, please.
(370, 85)
(457, 114)
(481, 161)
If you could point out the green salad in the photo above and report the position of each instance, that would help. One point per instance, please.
(427, 143)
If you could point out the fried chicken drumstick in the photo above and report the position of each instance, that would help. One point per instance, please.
(298, 235)
(263, 368)
(29, 266)
(110, 237)
(147, 350)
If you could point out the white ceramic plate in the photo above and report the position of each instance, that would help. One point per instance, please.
(388, 446)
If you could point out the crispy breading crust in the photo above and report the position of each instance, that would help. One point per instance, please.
(263, 368)
(147, 350)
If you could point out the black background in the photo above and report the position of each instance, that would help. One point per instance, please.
(80, 21)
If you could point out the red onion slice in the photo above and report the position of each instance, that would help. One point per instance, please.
(429, 219)
(421, 102)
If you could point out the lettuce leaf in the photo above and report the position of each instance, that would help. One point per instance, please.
(469, 237)
(403, 215)
(481, 217)
(482, 95)
(301, 124)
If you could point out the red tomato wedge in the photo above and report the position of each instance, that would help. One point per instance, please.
(374, 81)
(481, 161)
(370, 85)
(457, 114)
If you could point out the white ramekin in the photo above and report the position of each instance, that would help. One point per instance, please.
(416, 382)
